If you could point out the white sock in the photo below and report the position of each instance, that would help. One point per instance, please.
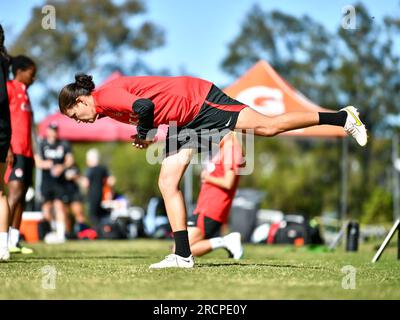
(3, 240)
(217, 243)
(60, 230)
(13, 236)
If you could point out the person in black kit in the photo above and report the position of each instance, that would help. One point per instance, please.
(97, 177)
(5, 152)
(54, 157)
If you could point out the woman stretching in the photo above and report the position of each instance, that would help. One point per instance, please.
(193, 108)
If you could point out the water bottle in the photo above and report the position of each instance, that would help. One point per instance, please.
(353, 234)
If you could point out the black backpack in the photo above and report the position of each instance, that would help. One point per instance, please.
(297, 227)
(111, 231)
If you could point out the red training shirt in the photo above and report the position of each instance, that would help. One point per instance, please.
(175, 98)
(213, 201)
(21, 118)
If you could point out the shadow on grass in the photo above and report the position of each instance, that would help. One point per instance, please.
(206, 265)
(13, 261)
(27, 259)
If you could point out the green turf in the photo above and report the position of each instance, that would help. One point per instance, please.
(119, 270)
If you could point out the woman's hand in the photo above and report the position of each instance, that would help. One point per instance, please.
(139, 143)
(46, 164)
(57, 170)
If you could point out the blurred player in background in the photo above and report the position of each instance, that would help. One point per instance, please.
(98, 183)
(54, 156)
(19, 176)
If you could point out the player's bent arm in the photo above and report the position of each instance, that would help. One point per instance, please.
(42, 164)
(69, 160)
(226, 182)
(144, 108)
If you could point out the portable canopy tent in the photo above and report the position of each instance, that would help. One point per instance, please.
(263, 89)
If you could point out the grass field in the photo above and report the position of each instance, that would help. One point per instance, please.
(119, 270)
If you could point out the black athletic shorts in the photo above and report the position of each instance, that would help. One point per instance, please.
(73, 194)
(22, 169)
(209, 227)
(217, 117)
(54, 190)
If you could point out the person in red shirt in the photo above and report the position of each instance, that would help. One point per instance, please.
(20, 174)
(190, 106)
(220, 180)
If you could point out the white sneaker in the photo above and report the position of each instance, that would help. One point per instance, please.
(53, 238)
(4, 255)
(174, 261)
(234, 245)
(354, 126)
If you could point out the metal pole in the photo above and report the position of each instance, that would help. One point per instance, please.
(344, 176)
(38, 193)
(386, 241)
(396, 187)
(339, 237)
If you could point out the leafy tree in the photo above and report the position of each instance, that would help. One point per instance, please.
(367, 76)
(378, 207)
(299, 48)
(90, 36)
(348, 67)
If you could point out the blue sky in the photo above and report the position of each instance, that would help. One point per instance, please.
(198, 31)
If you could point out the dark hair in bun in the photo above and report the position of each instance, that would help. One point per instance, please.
(83, 86)
(84, 81)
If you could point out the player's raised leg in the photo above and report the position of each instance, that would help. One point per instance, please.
(348, 118)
